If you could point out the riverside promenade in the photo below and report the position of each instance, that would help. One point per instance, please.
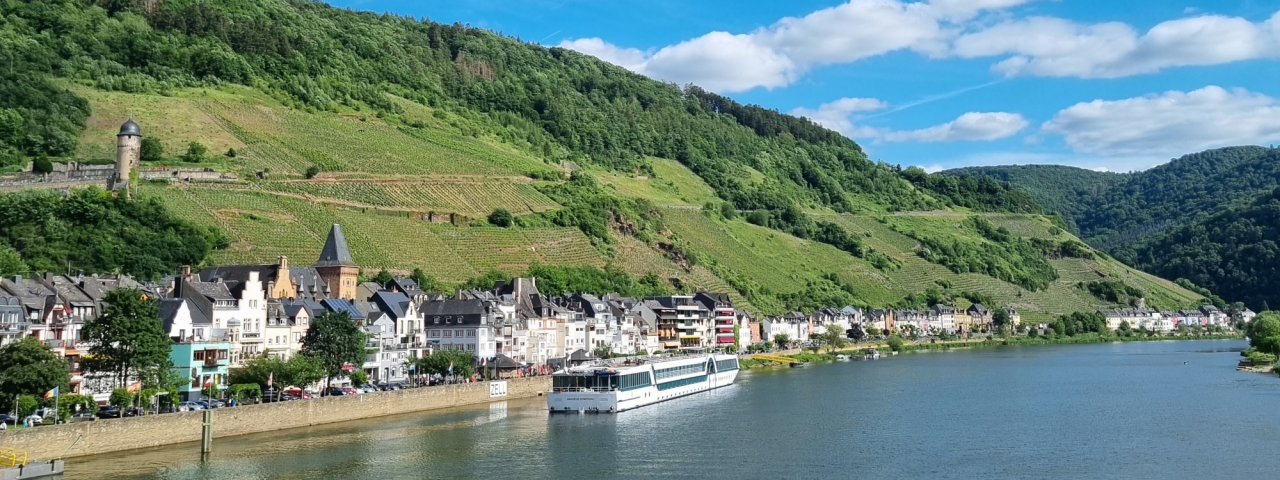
(113, 435)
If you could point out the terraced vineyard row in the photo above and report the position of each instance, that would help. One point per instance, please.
(474, 199)
(263, 226)
(348, 143)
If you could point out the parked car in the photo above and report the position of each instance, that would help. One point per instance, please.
(369, 388)
(215, 403)
(351, 391)
(190, 406)
(46, 412)
(108, 412)
(85, 416)
(34, 420)
(335, 392)
(9, 419)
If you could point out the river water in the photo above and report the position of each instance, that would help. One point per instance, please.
(1130, 410)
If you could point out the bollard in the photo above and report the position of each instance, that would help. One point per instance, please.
(206, 437)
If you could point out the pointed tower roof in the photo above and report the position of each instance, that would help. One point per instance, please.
(335, 253)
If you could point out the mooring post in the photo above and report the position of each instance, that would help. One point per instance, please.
(206, 437)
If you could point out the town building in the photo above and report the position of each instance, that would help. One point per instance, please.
(204, 363)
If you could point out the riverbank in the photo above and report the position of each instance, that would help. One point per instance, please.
(113, 435)
(883, 347)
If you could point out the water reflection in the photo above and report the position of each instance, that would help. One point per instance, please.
(1072, 411)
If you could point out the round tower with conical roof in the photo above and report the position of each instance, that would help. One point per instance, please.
(128, 151)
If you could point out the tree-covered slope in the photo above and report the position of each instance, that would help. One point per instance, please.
(1234, 253)
(1115, 211)
(1057, 188)
(420, 129)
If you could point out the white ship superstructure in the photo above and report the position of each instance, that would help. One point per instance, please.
(610, 387)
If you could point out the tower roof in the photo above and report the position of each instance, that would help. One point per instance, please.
(335, 253)
(130, 128)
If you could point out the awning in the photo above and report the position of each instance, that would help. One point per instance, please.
(695, 337)
(671, 344)
(724, 340)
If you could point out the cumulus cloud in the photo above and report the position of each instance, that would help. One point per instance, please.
(1173, 122)
(1053, 47)
(838, 115)
(972, 126)
(778, 55)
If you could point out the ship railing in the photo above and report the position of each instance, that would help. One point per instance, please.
(581, 390)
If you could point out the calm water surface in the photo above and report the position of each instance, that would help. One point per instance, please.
(1072, 411)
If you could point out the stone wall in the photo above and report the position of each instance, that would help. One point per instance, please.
(102, 436)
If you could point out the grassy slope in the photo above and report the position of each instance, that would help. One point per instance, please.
(384, 171)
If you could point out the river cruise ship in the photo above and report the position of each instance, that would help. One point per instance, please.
(614, 386)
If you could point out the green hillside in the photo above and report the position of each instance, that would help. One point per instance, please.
(1233, 252)
(409, 133)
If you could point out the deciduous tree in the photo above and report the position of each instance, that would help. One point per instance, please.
(127, 338)
(28, 367)
(334, 340)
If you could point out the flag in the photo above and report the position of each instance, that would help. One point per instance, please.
(271, 379)
(450, 367)
(51, 393)
(135, 387)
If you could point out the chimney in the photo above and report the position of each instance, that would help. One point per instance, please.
(284, 263)
(17, 279)
(186, 271)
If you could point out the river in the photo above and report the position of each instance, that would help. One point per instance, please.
(1142, 409)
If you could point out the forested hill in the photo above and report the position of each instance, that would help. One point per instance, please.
(555, 103)
(1114, 212)
(1233, 252)
(1057, 188)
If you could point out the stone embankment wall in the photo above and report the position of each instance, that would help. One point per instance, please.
(103, 436)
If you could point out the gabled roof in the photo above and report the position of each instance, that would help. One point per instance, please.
(342, 305)
(452, 307)
(335, 252)
(395, 304)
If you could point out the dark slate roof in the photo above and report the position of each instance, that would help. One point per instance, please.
(502, 361)
(129, 128)
(236, 275)
(213, 290)
(395, 304)
(580, 355)
(335, 252)
(452, 307)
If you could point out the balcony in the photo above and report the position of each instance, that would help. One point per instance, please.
(211, 362)
(251, 336)
(60, 343)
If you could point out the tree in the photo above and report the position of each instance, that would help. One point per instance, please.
(42, 164)
(603, 351)
(426, 282)
(11, 262)
(165, 378)
(856, 333)
(359, 378)
(382, 278)
(781, 340)
(1124, 329)
(335, 340)
(1264, 333)
(727, 211)
(120, 398)
(29, 367)
(312, 171)
(152, 150)
(231, 153)
(500, 217)
(1000, 318)
(834, 338)
(895, 343)
(27, 405)
(195, 152)
(127, 338)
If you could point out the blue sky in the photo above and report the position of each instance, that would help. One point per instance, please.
(1116, 85)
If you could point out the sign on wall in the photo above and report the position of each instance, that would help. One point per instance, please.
(498, 389)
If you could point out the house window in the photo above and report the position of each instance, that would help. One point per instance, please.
(198, 355)
(448, 333)
(457, 333)
(471, 333)
(195, 378)
(435, 333)
(437, 320)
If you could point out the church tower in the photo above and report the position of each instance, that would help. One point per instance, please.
(128, 152)
(336, 267)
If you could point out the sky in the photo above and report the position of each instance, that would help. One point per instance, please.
(1100, 84)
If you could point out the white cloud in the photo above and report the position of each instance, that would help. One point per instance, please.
(837, 115)
(1053, 47)
(778, 55)
(628, 58)
(1172, 123)
(931, 169)
(972, 126)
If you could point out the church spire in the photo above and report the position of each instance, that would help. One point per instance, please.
(335, 252)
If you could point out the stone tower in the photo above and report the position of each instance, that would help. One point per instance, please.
(336, 267)
(128, 153)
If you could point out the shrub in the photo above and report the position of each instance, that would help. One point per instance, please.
(500, 217)
(312, 171)
(895, 343)
(195, 152)
(152, 150)
(231, 153)
(42, 164)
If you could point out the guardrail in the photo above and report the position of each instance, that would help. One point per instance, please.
(12, 458)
